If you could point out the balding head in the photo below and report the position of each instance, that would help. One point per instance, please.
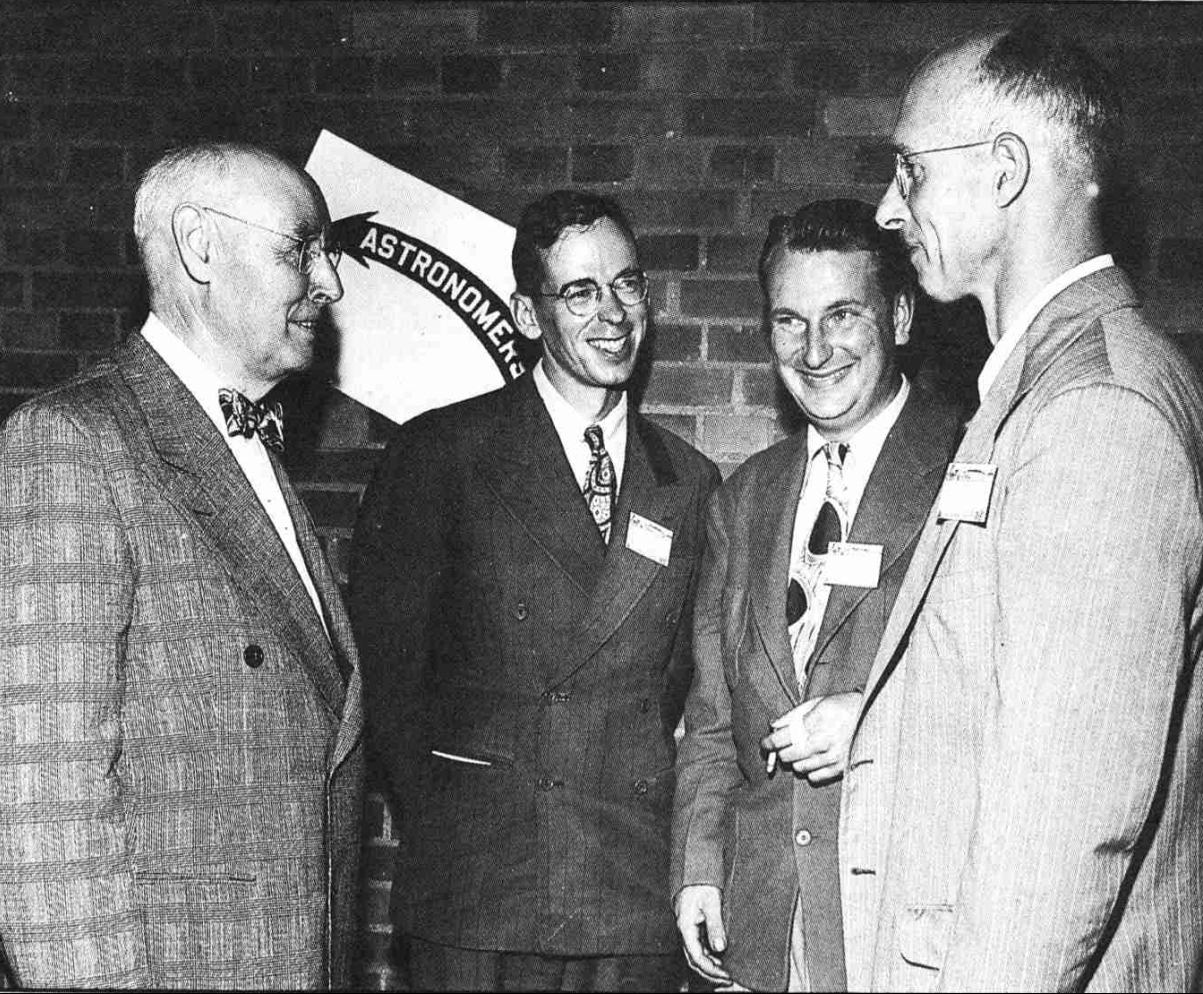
(239, 257)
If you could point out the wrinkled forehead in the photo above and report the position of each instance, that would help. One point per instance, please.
(276, 194)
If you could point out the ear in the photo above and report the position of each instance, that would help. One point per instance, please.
(1012, 168)
(523, 309)
(193, 243)
(904, 314)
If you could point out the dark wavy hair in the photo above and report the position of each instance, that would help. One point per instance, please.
(840, 225)
(543, 221)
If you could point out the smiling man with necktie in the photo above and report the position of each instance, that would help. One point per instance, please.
(520, 585)
(180, 706)
(807, 544)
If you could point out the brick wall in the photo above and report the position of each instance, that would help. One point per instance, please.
(703, 119)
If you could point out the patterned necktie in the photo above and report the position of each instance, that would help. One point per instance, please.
(599, 485)
(245, 417)
(830, 526)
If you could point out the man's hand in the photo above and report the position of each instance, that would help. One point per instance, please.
(813, 738)
(699, 910)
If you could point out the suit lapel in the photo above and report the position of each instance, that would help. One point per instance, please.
(891, 510)
(771, 536)
(527, 470)
(194, 469)
(1053, 331)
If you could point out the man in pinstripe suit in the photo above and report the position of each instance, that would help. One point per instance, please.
(1022, 809)
(181, 781)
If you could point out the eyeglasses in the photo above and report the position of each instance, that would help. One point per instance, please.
(903, 174)
(583, 297)
(309, 249)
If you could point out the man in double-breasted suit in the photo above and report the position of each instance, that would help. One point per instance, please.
(783, 641)
(520, 584)
(180, 703)
(1022, 809)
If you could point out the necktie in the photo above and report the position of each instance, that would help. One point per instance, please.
(830, 526)
(245, 417)
(599, 485)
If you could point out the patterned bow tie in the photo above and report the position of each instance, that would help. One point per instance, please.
(245, 417)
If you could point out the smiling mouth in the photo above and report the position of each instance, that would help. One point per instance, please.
(823, 378)
(614, 348)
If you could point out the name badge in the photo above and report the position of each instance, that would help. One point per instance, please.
(852, 564)
(650, 540)
(965, 495)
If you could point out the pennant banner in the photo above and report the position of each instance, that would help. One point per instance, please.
(424, 320)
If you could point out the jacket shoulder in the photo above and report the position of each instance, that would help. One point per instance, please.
(686, 460)
(85, 403)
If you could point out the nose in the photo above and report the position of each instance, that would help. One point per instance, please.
(817, 350)
(609, 308)
(324, 285)
(891, 209)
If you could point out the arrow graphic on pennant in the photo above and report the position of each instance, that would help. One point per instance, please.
(485, 314)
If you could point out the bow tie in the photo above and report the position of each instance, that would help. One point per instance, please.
(245, 417)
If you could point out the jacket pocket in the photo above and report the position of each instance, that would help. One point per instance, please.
(923, 934)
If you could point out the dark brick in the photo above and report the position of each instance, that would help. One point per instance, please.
(760, 386)
(36, 77)
(222, 76)
(331, 508)
(749, 118)
(1180, 259)
(31, 247)
(547, 24)
(12, 289)
(688, 386)
(873, 163)
(825, 69)
(87, 330)
(90, 164)
(35, 163)
(9, 402)
(686, 211)
(610, 71)
(674, 24)
(272, 76)
(154, 76)
(684, 426)
(221, 119)
(31, 369)
(669, 252)
(451, 121)
(610, 119)
(743, 344)
(602, 163)
(92, 249)
(742, 163)
(346, 74)
(27, 330)
(141, 27)
(725, 298)
(277, 27)
(113, 120)
(16, 121)
(406, 72)
(677, 342)
(757, 69)
(96, 77)
(471, 74)
(677, 71)
(86, 289)
(733, 253)
(539, 165)
(545, 73)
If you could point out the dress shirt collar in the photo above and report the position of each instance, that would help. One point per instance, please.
(865, 445)
(571, 424)
(200, 380)
(1023, 320)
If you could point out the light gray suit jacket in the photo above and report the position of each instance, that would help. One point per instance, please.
(181, 770)
(1023, 808)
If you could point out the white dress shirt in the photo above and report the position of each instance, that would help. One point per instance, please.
(863, 449)
(571, 424)
(250, 453)
(1023, 320)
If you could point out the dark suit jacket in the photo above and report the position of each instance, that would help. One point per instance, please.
(757, 837)
(496, 626)
(182, 771)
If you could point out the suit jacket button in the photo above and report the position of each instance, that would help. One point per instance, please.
(802, 837)
(520, 611)
(252, 655)
(640, 786)
(645, 705)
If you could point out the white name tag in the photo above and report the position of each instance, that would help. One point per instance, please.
(650, 540)
(965, 495)
(852, 564)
